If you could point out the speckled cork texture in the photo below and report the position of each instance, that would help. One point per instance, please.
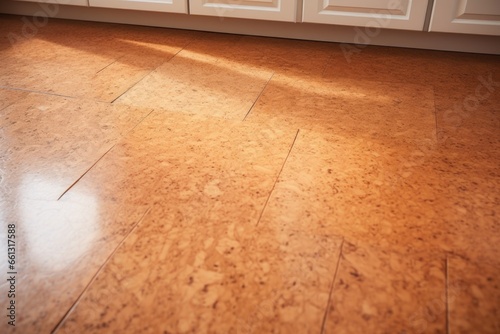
(383, 200)
(8, 97)
(48, 142)
(102, 63)
(281, 56)
(425, 67)
(474, 294)
(379, 292)
(60, 246)
(186, 182)
(274, 284)
(196, 81)
(193, 180)
(352, 107)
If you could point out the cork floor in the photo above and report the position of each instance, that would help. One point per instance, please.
(167, 181)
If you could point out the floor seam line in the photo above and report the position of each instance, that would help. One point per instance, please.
(138, 123)
(135, 84)
(92, 280)
(105, 67)
(85, 173)
(38, 92)
(323, 323)
(149, 73)
(278, 177)
(258, 97)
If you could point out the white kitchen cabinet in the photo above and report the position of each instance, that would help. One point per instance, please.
(466, 16)
(171, 6)
(62, 2)
(391, 14)
(274, 10)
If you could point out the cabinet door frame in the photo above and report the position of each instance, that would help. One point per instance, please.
(273, 10)
(396, 14)
(168, 6)
(451, 16)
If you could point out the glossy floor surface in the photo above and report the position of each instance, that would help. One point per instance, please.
(166, 181)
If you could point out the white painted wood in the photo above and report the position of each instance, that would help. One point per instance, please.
(466, 16)
(62, 2)
(391, 14)
(274, 10)
(170, 6)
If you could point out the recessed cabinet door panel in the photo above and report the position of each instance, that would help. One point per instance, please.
(392, 14)
(274, 10)
(62, 2)
(171, 6)
(466, 16)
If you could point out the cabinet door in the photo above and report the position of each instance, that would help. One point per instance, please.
(275, 10)
(171, 6)
(392, 14)
(62, 2)
(466, 16)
